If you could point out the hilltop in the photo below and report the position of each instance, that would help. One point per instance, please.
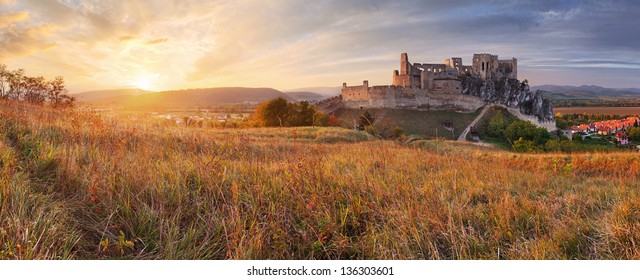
(586, 92)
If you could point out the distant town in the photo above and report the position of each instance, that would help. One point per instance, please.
(617, 128)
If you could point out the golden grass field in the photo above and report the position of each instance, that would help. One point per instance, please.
(80, 185)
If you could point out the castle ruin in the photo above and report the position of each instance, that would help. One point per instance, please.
(442, 77)
(430, 86)
(451, 86)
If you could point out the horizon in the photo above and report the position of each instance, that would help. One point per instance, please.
(303, 88)
(285, 45)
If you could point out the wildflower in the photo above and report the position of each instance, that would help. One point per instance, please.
(105, 244)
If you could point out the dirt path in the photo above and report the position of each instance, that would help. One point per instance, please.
(463, 135)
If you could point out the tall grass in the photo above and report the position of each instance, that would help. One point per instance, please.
(113, 187)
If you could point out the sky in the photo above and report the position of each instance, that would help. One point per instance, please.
(285, 44)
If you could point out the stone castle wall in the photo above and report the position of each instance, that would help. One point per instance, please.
(407, 97)
(453, 86)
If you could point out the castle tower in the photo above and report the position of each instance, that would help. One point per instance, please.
(405, 66)
(454, 62)
(485, 65)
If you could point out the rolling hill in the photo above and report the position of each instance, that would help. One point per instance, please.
(325, 91)
(586, 92)
(88, 96)
(194, 98)
(190, 98)
(305, 96)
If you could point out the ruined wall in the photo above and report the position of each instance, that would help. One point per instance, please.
(508, 68)
(411, 98)
(446, 86)
(408, 76)
(356, 93)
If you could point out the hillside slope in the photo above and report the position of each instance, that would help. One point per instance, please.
(426, 123)
(194, 98)
(105, 94)
(140, 188)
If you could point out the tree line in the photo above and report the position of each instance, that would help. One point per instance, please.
(15, 85)
(280, 112)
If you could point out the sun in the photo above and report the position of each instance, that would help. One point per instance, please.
(146, 81)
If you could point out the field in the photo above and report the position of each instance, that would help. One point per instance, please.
(599, 110)
(81, 185)
(426, 123)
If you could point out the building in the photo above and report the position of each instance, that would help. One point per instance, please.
(445, 77)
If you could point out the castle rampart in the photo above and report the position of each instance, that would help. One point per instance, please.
(451, 86)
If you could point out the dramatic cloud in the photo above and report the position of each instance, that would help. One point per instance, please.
(287, 43)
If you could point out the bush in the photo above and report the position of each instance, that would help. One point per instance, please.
(634, 133)
(576, 137)
(365, 120)
(521, 145)
(527, 131)
(497, 125)
(397, 132)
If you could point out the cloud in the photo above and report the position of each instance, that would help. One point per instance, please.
(157, 41)
(126, 38)
(281, 42)
(12, 18)
(21, 41)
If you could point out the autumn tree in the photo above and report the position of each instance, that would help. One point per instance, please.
(14, 85)
(15, 79)
(57, 93)
(273, 113)
(4, 82)
(280, 112)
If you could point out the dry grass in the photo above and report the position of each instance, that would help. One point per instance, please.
(80, 185)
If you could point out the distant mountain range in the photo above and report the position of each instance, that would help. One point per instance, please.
(325, 91)
(586, 92)
(193, 98)
(190, 98)
(104, 94)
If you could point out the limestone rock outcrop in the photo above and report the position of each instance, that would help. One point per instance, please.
(511, 93)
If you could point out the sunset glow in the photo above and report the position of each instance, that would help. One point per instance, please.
(146, 81)
(291, 44)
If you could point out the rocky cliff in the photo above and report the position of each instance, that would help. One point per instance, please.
(511, 93)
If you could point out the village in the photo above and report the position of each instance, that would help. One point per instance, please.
(616, 129)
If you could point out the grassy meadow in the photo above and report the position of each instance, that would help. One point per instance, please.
(80, 185)
(424, 123)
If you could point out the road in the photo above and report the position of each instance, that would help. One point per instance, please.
(463, 135)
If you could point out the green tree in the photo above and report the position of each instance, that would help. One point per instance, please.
(274, 112)
(527, 131)
(301, 114)
(522, 146)
(576, 137)
(497, 125)
(634, 134)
